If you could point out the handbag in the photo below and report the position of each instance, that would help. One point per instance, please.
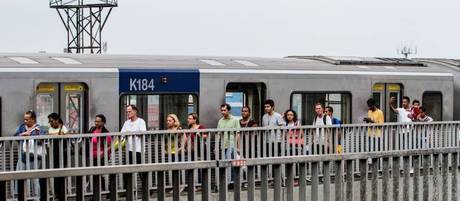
(117, 143)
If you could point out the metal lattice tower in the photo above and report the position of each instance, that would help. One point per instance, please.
(84, 21)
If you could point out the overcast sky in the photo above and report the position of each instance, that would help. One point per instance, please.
(265, 28)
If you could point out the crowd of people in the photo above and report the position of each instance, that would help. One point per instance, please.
(231, 140)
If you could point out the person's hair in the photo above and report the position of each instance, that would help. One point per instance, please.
(415, 101)
(407, 98)
(176, 120)
(56, 117)
(227, 106)
(370, 102)
(249, 109)
(330, 108)
(320, 104)
(133, 107)
(269, 102)
(102, 117)
(194, 115)
(32, 114)
(293, 112)
(422, 109)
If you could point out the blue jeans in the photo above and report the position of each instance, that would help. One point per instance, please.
(230, 154)
(33, 184)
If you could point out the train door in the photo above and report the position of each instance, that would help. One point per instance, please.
(382, 93)
(246, 94)
(67, 99)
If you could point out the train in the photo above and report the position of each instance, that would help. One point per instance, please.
(79, 86)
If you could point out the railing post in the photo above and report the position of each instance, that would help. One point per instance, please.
(406, 167)
(375, 174)
(237, 184)
(445, 169)
(21, 190)
(264, 182)
(338, 180)
(80, 189)
(314, 181)
(205, 185)
(113, 187)
(278, 180)
(129, 186)
(327, 180)
(436, 177)
(97, 187)
(3, 190)
(223, 184)
(349, 177)
(190, 184)
(161, 185)
(426, 174)
(145, 186)
(454, 175)
(395, 172)
(385, 182)
(176, 184)
(302, 182)
(290, 181)
(416, 160)
(363, 179)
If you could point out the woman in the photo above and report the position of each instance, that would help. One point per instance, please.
(56, 127)
(193, 124)
(294, 136)
(98, 151)
(173, 124)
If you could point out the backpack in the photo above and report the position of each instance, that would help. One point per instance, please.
(324, 119)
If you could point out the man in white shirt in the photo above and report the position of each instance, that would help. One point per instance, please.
(404, 112)
(322, 136)
(133, 124)
(272, 119)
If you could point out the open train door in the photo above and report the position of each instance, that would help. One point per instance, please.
(246, 94)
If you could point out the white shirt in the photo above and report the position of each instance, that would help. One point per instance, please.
(273, 120)
(320, 136)
(403, 115)
(134, 126)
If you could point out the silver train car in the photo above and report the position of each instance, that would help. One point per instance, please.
(80, 86)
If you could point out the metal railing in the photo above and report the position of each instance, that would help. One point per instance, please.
(88, 150)
(337, 179)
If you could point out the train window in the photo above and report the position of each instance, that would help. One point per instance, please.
(432, 101)
(67, 99)
(155, 108)
(1, 131)
(381, 92)
(246, 94)
(303, 103)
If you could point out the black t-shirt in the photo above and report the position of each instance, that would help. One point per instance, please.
(250, 123)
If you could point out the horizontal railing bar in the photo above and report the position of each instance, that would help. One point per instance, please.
(337, 157)
(215, 131)
(104, 170)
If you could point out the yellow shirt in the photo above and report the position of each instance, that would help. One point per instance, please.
(377, 117)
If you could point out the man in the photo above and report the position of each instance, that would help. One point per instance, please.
(230, 138)
(422, 117)
(374, 116)
(321, 139)
(133, 124)
(246, 121)
(404, 113)
(330, 112)
(272, 119)
(415, 110)
(31, 152)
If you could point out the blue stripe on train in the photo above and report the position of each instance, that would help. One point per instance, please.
(159, 80)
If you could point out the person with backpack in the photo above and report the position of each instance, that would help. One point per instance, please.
(321, 138)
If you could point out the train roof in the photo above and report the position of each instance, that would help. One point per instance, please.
(323, 63)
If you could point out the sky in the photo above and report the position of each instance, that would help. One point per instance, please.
(253, 28)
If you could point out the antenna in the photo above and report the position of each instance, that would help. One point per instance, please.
(407, 51)
(84, 21)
